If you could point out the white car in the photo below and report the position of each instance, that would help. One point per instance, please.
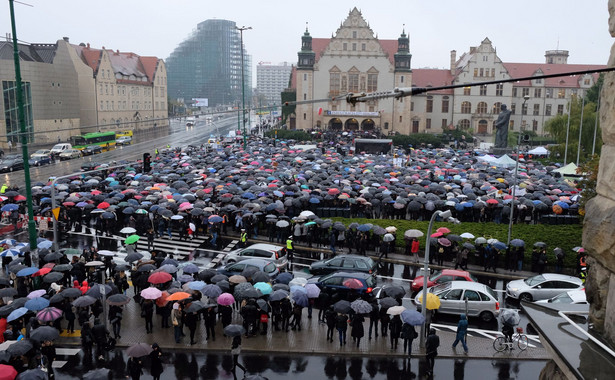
(123, 140)
(70, 153)
(482, 300)
(270, 252)
(570, 297)
(41, 153)
(542, 287)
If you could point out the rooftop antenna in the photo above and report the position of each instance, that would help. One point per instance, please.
(557, 48)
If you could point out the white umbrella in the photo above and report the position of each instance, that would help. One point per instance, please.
(413, 234)
(282, 224)
(128, 230)
(306, 213)
(396, 310)
(480, 240)
(492, 241)
(467, 235)
(391, 229)
(388, 237)
(177, 217)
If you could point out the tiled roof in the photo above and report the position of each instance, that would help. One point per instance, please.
(29, 52)
(519, 70)
(432, 78)
(388, 46)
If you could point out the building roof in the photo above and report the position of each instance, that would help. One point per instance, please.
(43, 53)
(432, 78)
(519, 70)
(388, 46)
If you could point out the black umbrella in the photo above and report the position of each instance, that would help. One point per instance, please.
(53, 256)
(62, 268)
(219, 277)
(44, 333)
(8, 292)
(7, 309)
(52, 277)
(71, 293)
(388, 302)
(394, 291)
(342, 306)
(57, 298)
(118, 299)
(138, 350)
(33, 374)
(131, 257)
(260, 276)
(234, 330)
(95, 292)
(20, 348)
(97, 374)
(84, 301)
(146, 268)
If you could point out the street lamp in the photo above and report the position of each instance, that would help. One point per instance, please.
(512, 202)
(243, 85)
(445, 215)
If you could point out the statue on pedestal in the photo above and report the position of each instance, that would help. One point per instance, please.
(501, 125)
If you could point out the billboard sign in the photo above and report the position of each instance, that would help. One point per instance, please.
(201, 102)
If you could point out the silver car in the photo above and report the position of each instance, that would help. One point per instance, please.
(270, 252)
(482, 300)
(541, 287)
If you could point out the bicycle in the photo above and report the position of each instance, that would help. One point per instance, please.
(500, 343)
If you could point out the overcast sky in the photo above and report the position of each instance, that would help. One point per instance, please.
(521, 30)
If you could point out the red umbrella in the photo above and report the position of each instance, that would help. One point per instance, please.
(437, 234)
(178, 296)
(162, 301)
(7, 372)
(333, 191)
(353, 283)
(42, 272)
(67, 204)
(443, 230)
(49, 265)
(19, 198)
(444, 242)
(492, 201)
(159, 278)
(103, 205)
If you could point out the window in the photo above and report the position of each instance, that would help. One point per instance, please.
(445, 104)
(537, 92)
(11, 112)
(548, 110)
(304, 76)
(304, 96)
(411, 106)
(464, 124)
(511, 125)
(363, 47)
(345, 46)
(467, 90)
(304, 116)
(466, 107)
(344, 83)
(354, 46)
(401, 79)
(496, 108)
(362, 83)
(549, 93)
(348, 263)
(514, 92)
(560, 109)
(429, 105)
(334, 84)
(481, 107)
(354, 34)
(536, 111)
(400, 119)
(372, 82)
(471, 295)
(480, 73)
(476, 71)
(561, 93)
(493, 72)
(427, 123)
(484, 297)
(524, 109)
(101, 105)
(586, 82)
(454, 294)
(483, 90)
(513, 108)
(526, 91)
(353, 82)
(499, 89)
(444, 124)
(100, 89)
(534, 125)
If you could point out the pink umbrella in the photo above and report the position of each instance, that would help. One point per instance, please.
(151, 293)
(226, 299)
(444, 242)
(49, 314)
(436, 234)
(37, 293)
(444, 230)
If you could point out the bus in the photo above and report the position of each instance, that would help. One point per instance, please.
(105, 139)
(123, 133)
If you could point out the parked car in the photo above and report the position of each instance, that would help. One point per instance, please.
(569, 297)
(60, 148)
(339, 285)
(440, 277)
(350, 263)
(92, 149)
(237, 268)
(541, 287)
(40, 160)
(11, 164)
(86, 166)
(270, 252)
(69, 154)
(41, 153)
(123, 140)
(482, 300)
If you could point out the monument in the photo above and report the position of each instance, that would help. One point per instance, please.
(501, 125)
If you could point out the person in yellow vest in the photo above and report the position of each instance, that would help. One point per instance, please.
(290, 249)
(156, 152)
(243, 240)
(3, 188)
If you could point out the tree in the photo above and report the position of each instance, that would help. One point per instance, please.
(589, 169)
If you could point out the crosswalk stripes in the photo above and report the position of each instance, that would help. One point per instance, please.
(64, 353)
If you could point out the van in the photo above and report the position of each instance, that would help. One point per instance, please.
(59, 148)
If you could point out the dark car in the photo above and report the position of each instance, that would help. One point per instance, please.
(11, 164)
(237, 268)
(91, 149)
(341, 285)
(349, 263)
(89, 166)
(40, 160)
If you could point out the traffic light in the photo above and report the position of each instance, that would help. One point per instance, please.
(147, 162)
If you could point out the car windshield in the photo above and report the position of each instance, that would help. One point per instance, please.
(269, 268)
(534, 280)
(562, 298)
(435, 275)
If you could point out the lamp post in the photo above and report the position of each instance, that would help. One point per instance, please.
(512, 203)
(243, 85)
(446, 215)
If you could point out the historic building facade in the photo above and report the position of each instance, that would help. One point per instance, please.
(355, 61)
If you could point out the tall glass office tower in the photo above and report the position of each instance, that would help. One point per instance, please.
(208, 65)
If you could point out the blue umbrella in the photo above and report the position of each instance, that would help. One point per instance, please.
(284, 277)
(16, 314)
(364, 227)
(301, 299)
(197, 285)
(314, 201)
(36, 304)
(248, 195)
(215, 219)
(412, 317)
(499, 245)
(45, 244)
(9, 207)
(8, 242)
(517, 243)
(210, 290)
(297, 289)
(10, 252)
(190, 268)
(27, 271)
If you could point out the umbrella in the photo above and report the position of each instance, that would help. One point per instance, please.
(84, 301)
(540, 244)
(396, 310)
(282, 224)
(128, 230)
(7, 372)
(70, 293)
(234, 330)
(342, 306)
(190, 268)
(16, 314)
(388, 302)
(178, 296)
(97, 374)
(8, 292)
(510, 317)
(151, 293)
(300, 299)
(353, 283)
(433, 301)
(413, 234)
(469, 246)
(517, 243)
(278, 295)
(394, 291)
(299, 281)
(388, 237)
(37, 293)
(237, 279)
(33, 374)
(21, 347)
(118, 300)
(284, 278)
(36, 304)
(132, 239)
(480, 240)
(312, 290)
(226, 299)
(281, 287)
(263, 287)
(211, 290)
(361, 307)
(467, 235)
(444, 242)
(146, 268)
(95, 290)
(138, 350)
(195, 307)
(169, 268)
(198, 285)
(263, 305)
(94, 263)
(44, 333)
(132, 257)
(499, 245)
(49, 314)
(412, 317)
(53, 277)
(159, 278)
(27, 271)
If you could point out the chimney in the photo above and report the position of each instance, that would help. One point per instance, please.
(65, 39)
(88, 45)
(453, 61)
(117, 52)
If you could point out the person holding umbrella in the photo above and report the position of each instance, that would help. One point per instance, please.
(235, 351)
(135, 368)
(357, 328)
(147, 312)
(330, 318)
(48, 350)
(100, 335)
(210, 322)
(408, 334)
(431, 348)
(462, 331)
(341, 324)
(176, 316)
(87, 339)
(395, 329)
(155, 358)
(115, 317)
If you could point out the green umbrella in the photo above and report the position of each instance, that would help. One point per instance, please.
(141, 211)
(132, 239)
(310, 223)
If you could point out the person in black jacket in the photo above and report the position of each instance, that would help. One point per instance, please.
(155, 358)
(330, 319)
(384, 321)
(210, 323)
(87, 340)
(101, 335)
(147, 312)
(135, 368)
(286, 308)
(341, 324)
(226, 315)
(395, 328)
(374, 316)
(358, 331)
(49, 351)
(190, 320)
(115, 317)
(431, 348)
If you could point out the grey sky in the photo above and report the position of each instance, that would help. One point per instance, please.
(521, 30)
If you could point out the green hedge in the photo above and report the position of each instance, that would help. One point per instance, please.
(285, 134)
(563, 236)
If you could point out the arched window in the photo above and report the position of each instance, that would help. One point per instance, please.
(464, 124)
(466, 107)
(496, 108)
(481, 107)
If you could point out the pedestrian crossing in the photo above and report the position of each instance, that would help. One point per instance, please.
(64, 353)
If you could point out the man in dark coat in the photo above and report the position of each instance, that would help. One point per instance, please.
(100, 334)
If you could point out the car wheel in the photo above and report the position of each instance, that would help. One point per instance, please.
(486, 316)
(525, 297)
(11, 169)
